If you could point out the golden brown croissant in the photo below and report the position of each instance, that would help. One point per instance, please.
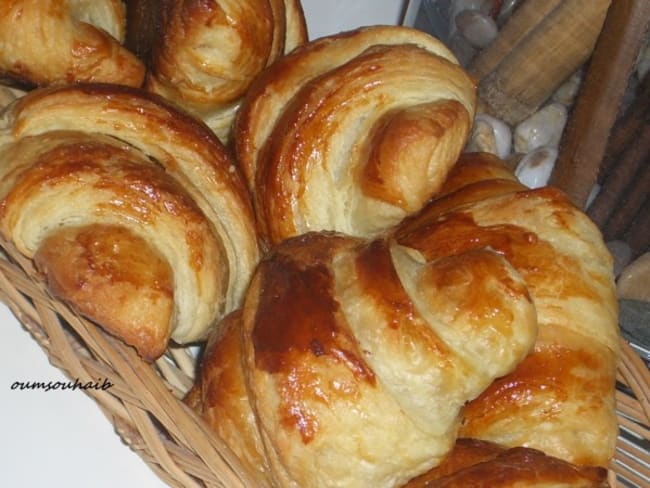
(45, 42)
(209, 51)
(560, 400)
(352, 132)
(474, 463)
(132, 209)
(351, 360)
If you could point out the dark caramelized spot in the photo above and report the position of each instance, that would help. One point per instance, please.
(298, 313)
(299, 332)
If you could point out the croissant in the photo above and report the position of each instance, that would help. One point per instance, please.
(208, 52)
(45, 42)
(481, 463)
(340, 338)
(133, 210)
(561, 398)
(352, 132)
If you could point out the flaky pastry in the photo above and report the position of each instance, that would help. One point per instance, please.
(133, 210)
(209, 51)
(560, 400)
(44, 42)
(352, 132)
(352, 359)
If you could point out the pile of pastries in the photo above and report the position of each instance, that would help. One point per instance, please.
(378, 307)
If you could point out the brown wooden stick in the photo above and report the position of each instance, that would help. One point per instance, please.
(522, 22)
(543, 60)
(621, 179)
(627, 129)
(638, 234)
(598, 103)
(630, 203)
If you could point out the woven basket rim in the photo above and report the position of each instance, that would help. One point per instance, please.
(145, 402)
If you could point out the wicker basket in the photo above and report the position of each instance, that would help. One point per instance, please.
(144, 402)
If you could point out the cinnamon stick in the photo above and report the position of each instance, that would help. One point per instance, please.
(597, 106)
(615, 186)
(628, 206)
(637, 235)
(627, 129)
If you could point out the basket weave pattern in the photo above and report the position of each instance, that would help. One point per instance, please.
(144, 402)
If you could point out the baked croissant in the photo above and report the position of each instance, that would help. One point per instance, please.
(45, 42)
(209, 51)
(561, 398)
(133, 210)
(474, 463)
(352, 132)
(351, 360)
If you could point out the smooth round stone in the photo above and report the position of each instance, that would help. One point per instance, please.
(458, 6)
(462, 49)
(479, 29)
(535, 168)
(543, 128)
(634, 281)
(492, 135)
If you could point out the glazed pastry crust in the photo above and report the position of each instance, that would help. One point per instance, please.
(109, 155)
(339, 338)
(116, 278)
(210, 51)
(44, 42)
(352, 132)
(560, 400)
(481, 463)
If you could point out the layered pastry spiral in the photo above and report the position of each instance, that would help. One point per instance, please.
(490, 315)
(133, 210)
(44, 42)
(352, 132)
(350, 361)
(208, 52)
(560, 400)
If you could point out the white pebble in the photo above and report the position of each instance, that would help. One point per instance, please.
(479, 29)
(543, 128)
(492, 135)
(535, 168)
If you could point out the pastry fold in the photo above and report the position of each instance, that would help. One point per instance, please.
(45, 42)
(208, 52)
(351, 361)
(352, 132)
(121, 197)
(561, 399)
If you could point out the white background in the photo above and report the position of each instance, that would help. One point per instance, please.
(61, 438)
